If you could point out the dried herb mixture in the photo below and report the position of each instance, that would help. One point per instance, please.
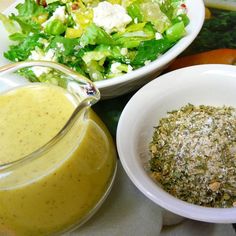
(193, 155)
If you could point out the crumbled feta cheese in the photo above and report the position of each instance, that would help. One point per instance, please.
(43, 41)
(61, 47)
(158, 36)
(135, 20)
(39, 70)
(127, 61)
(130, 68)
(58, 14)
(95, 76)
(39, 55)
(181, 10)
(50, 55)
(114, 67)
(147, 62)
(124, 51)
(77, 47)
(111, 18)
(36, 55)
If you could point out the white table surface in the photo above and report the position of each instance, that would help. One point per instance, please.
(128, 212)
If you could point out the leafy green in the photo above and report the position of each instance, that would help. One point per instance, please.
(112, 52)
(28, 74)
(52, 77)
(167, 7)
(69, 52)
(182, 17)
(135, 12)
(51, 7)
(49, 2)
(149, 29)
(8, 24)
(27, 25)
(151, 12)
(175, 32)
(95, 35)
(95, 70)
(68, 44)
(22, 51)
(17, 37)
(95, 56)
(29, 8)
(28, 11)
(149, 50)
(134, 35)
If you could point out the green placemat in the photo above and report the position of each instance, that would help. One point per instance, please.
(218, 32)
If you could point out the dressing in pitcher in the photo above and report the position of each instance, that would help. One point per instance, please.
(57, 160)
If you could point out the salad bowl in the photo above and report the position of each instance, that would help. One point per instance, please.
(132, 77)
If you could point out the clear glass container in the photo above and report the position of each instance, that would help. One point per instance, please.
(59, 186)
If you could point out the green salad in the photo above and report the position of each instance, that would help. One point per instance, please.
(99, 39)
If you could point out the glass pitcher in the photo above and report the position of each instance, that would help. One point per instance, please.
(59, 185)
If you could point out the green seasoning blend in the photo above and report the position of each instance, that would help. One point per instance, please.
(193, 155)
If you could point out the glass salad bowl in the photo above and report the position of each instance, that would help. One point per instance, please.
(58, 160)
(119, 51)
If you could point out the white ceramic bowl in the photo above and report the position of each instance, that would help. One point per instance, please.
(133, 80)
(204, 84)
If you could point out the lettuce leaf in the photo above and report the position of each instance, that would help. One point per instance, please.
(27, 16)
(152, 13)
(149, 51)
(52, 77)
(168, 8)
(51, 7)
(135, 12)
(112, 52)
(67, 43)
(19, 37)
(134, 35)
(95, 35)
(175, 32)
(8, 24)
(27, 25)
(22, 51)
(29, 8)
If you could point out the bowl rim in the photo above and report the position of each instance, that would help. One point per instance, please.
(193, 30)
(143, 182)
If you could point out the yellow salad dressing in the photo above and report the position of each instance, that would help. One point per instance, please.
(55, 189)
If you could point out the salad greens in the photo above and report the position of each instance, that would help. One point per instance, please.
(100, 39)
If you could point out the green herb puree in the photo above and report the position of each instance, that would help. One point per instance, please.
(193, 155)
